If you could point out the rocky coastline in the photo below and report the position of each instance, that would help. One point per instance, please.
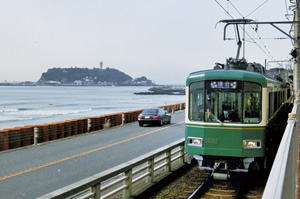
(163, 90)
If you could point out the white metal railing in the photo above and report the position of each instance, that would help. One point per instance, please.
(283, 176)
(128, 179)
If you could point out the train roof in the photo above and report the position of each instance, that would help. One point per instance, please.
(231, 74)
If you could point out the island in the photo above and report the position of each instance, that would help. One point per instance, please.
(90, 77)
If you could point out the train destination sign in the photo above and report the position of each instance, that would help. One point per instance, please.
(223, 84)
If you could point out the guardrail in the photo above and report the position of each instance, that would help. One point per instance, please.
(129, 179)
(283, 178)
(34, 134)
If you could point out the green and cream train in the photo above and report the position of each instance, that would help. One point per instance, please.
(227, 111)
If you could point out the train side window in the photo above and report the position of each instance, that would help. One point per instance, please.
(276, 100)
(196, 109)
(271, 104)
(252, 103)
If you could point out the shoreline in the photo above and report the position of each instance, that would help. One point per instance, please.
(163, 90)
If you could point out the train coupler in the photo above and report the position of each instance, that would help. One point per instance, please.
(220, 170)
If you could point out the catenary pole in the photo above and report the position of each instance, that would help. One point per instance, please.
(296, 81)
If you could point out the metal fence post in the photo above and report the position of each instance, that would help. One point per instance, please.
(35, 135)
(123, 119)
(97, 191)
(151, 167)
(128, 192)
(89, 125)
(182, 159)
(169, 159)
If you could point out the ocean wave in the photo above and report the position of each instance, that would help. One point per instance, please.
(24, 115)
(11, 119)
(103, 108)
(49, 112)
(9, 110)
(15, 109)
(64, 105)
(25, 109)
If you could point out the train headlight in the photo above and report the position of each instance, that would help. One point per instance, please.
(194, 141)
(252, 144)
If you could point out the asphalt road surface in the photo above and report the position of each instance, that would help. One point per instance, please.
(37, 170)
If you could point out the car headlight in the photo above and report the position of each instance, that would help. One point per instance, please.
(194, 141)
(252, 144)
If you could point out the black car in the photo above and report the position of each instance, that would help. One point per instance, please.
(154, 116)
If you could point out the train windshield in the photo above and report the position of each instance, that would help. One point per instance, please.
(225, 102)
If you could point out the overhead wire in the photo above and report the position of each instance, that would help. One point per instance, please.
(235, 8)
(268, 53)
(224, 9)
(257, 8)
(255, 30)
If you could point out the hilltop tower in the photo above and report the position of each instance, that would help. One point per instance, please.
(101, 65)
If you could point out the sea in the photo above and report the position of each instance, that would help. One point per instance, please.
(32, 105)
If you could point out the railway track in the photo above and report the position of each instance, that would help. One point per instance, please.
(184, 186)
(223, 189)
(198, 184)
(220, 189)
(229, 189)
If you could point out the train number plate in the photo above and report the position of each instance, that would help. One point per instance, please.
(211, 140)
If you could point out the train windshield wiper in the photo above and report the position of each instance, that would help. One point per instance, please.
(210, 115)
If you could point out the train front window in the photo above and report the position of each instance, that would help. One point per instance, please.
(196, 111)
(252, 103)
(223, 102)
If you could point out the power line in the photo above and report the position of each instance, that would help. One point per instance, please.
(268, 53)
(265, 38)
(224, 9)
(255, 29)
(235, 9)
(257, 8)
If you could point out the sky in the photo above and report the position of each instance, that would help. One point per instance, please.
(164, 40)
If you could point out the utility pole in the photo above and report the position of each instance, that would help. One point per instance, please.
(296, 73)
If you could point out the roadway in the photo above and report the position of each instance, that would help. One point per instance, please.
(36, 170)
